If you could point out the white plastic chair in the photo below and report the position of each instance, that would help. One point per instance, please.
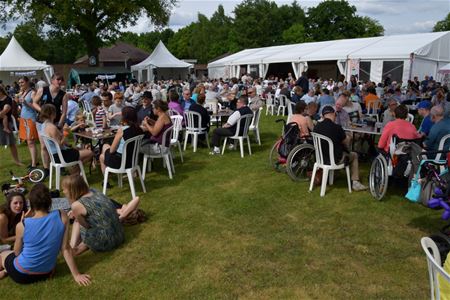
(177, 128)
(87, 112)
(136, 141)
(290, 108)
(410, 118)
(193, 127)
(164, 153)
(254, 126)
(434, 266)
(270, 104)
(173, 112)
(282, 100)
(372, 109)
(62, 164)
(328, 169)
(244, 120)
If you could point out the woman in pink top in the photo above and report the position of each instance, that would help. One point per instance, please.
(399, 127)
(304, 122)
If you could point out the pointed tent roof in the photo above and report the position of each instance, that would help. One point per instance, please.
(161, 58)
(14, 58)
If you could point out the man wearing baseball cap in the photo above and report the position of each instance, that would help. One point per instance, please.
(330, 129)
(424, 108)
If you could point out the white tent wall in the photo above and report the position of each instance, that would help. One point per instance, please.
(422, 67)
(433, 46)
(170, 73)
(217, 72)
(6, 77)
(376, 70)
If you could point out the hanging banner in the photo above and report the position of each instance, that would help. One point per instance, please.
(103, 77)
(353, 65)
(18, 74)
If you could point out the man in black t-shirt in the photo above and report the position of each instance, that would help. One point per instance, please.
(330, 129)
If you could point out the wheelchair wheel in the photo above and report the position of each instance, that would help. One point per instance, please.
(427, 192)
(36, 175)
(274, 159)
(300, 161)
(378, 177)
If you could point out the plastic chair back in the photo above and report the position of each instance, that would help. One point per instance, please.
(173, 112)
(256, 117)
(373, 106)
(177, 126)
(282, 100)
(270, 100)
(441, 146)
(434, 266)
(194, 121)
(244, 121)
(47, 140)
(319, 141)
(410, 118)
(136, 141)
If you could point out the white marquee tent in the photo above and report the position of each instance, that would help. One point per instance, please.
(162, 63)
(16, 62)
(405, 56)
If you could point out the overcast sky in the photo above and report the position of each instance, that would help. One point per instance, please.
(396, 16)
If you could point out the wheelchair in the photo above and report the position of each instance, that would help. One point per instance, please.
(384, 166)
(292, 154)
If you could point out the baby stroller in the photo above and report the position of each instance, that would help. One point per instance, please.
(292, 154)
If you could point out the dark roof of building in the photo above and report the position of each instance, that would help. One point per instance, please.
(118, 53)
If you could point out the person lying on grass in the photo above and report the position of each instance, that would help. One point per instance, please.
(10, 216)
(39, 237)
(97, 223)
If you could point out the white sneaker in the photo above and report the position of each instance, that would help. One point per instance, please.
(358, 186)
(214, 153)
(231, 147)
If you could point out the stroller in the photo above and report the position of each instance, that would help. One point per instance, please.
(292, 154)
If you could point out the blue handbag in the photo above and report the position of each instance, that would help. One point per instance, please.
(415, 188)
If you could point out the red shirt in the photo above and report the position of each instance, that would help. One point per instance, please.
(402, 128)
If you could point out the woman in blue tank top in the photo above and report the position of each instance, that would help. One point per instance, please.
(39, 238)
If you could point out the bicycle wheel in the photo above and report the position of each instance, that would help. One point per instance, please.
(300, 162)
(427, 191)
(36, 175)
(378, 177)
(274, 159)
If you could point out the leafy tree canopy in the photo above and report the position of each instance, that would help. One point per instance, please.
(443, 25)
(95, 21)
(337, 19)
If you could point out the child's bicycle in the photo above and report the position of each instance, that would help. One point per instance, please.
(34, 176)
(292, 154)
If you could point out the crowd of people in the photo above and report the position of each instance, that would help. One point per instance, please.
(326, 107)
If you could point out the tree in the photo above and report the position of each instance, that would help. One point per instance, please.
(95, 21)
(295, 34)
(337, 19)
(443, 25)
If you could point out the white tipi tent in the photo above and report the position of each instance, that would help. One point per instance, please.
(15, 62)
(161, 63)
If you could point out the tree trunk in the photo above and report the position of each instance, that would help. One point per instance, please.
(92, 44)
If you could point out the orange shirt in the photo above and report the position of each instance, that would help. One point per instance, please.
(370, 98)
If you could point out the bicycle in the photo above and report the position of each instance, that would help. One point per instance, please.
(35, 176)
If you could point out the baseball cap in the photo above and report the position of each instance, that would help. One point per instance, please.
(424, 104)
(328, 110)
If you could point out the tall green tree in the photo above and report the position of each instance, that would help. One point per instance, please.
(295, 34)
(443, 25)
(337, 19)
(95, 21)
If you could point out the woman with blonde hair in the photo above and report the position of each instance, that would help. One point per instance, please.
(97, 222)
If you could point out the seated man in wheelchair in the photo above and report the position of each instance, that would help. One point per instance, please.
(330, 129)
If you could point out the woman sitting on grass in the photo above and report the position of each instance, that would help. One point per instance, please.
(97, 224)
(39, 237)
(10, 215)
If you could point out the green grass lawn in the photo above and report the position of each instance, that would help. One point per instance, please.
(227, 227)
